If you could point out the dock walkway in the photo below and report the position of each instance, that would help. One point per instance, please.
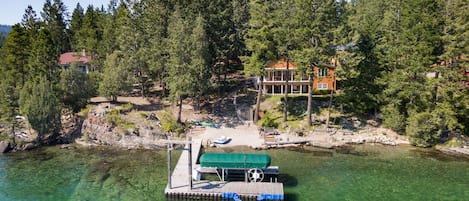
(180, 186)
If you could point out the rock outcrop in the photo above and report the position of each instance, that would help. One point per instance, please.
(4, 147)
(97, 131)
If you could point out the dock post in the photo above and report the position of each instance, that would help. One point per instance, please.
(190, 161)
(169, 162)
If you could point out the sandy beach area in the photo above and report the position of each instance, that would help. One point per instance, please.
(248, 134)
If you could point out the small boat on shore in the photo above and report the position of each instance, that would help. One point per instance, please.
(221, 140)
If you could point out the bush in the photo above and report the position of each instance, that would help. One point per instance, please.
(114, 118)
(127, 107)
(86, 110)
(423, 129)
(268, 121)
(169, 123)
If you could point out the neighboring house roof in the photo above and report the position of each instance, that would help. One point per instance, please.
(69, 57)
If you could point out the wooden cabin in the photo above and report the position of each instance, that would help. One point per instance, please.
(276, 76)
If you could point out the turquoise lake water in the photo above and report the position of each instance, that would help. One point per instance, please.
(357, 173)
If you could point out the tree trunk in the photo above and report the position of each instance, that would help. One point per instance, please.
(142, 87)
(180, 110)
(219, 80)
(226, 67)
(258, 101)
(163, 85)
(285, 99)
(310, 100)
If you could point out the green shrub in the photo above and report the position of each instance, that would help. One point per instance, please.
(268, 121)
(169, 123)
(114, 118)
(423, 129)
(86, 110)
(127, 107)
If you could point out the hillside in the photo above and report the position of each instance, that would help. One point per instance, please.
(5, 29)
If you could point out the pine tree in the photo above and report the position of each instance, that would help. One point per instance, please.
(259, 41)
(115, 77)
(74, 88)
(54, 16)
(179, 78)
(200, 60)
(42, 60)
(43, 109)
(16, 54)
(75, 26)
(155, 24)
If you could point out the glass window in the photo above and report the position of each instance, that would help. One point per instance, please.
(322, 72)
(322, 86)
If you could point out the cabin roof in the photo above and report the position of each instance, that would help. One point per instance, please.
(235, 160)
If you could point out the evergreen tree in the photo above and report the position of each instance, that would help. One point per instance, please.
(115, 77)
(30, 19)
(43, 109)
(43, 60)
(200, 60)
(451, 101)
(259, 41)
(359, 66)
(180, 78)
(16, 54)
(75, 26)
(155, 24)
(54, 15)
(8, 107)
(132, 41)
(74, 88)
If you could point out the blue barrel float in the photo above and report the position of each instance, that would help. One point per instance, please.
(265, 197)
(229, 195)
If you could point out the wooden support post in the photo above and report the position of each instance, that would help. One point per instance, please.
(190, 161)
(169, 162)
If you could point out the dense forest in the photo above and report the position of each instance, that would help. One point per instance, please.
(385, 50)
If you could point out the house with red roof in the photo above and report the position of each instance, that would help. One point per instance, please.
(83, 61)
(276, 76)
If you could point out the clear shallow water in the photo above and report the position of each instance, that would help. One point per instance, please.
(358, 173)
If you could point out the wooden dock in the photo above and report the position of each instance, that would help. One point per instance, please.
(213, 190)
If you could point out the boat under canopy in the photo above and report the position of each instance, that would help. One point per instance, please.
(234, 160)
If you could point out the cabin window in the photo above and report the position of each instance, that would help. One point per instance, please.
(322, 86)
(277, 75)
(304, 88)
(322, 72)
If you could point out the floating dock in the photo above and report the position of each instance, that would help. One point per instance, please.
(181, 185)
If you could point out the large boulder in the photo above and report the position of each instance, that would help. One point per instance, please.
(4, 147)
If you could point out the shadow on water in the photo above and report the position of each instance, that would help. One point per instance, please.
(287, 180)
(437, 155)
(291, 197)
(311, 151)
(38, 154)
(99, 171)
(351, 151)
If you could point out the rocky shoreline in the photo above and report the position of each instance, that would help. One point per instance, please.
(96, 130)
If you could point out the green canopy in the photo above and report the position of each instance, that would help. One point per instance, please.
(234, 160)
